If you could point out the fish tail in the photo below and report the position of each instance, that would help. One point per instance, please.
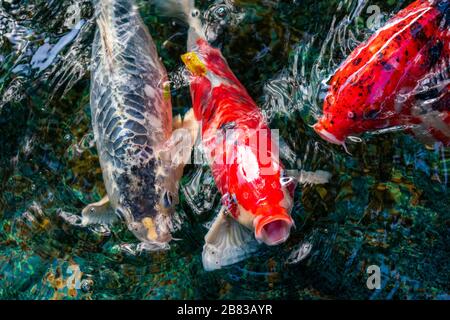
(103, 8)
(185, 11)
(105, 29)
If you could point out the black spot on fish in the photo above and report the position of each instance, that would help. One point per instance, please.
(105, 97)
(140, 139)
(228, 126)
(357, 61)
(123, 180)
(167, 199)
(148, 150)
(417, 31)
(122, 8)
(133, 97)
(370, 114)
(139, 107)
(138, 192)
(130, 59)
(443, 7)
(104, 119)
(435, 53)
(136, 151)
(387, 66)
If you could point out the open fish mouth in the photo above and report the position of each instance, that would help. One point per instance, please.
(273, 230)
(147, 232)
(327, 136)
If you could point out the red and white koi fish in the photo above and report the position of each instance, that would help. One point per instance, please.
(241, 150)
(400, 77)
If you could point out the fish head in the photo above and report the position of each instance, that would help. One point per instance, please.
(151, 223)
(153, 206)
(150, 230)
(272, 225)
(149, 214)
(341, 123)
(263, 197)
(344, 117)
(337, 122)
(330, 132)
(273, 222)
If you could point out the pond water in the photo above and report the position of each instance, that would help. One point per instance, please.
(387, 203)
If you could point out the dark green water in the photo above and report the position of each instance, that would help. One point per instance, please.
(388, 204)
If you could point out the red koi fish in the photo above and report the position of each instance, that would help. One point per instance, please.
(243, 158)
(239, 145)
(240, 149)
(400, 77)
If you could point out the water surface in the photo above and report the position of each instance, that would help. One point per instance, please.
(388, 203)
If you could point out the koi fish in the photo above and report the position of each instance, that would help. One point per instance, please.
(133, 127)
(400, 77)
(242, 152)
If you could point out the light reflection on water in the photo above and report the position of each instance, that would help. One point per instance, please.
(387, 204)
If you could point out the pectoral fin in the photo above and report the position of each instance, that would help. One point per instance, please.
(226, 243)
(191, 124)
(98, 213)
(177, 150)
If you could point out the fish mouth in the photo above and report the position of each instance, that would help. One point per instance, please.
(326, 135)
(147, 232)
(273, 230)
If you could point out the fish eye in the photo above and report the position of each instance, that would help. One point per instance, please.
(350, 115)
(92, 210)
(221, 12)
(195, 13)
(167, 199)
(285, 180)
